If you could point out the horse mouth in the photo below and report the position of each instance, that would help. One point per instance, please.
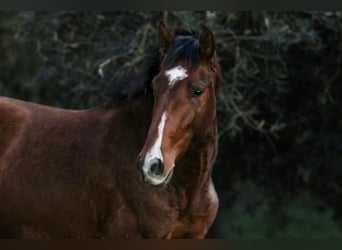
(157, 180)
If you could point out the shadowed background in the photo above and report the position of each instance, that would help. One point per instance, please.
(278, 172)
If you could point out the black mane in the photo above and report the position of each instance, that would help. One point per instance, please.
(185, 48)
(140, 82)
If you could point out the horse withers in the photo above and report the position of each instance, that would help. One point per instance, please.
(72, 174)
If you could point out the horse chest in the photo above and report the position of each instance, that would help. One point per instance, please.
(195, 217)
(196, 220)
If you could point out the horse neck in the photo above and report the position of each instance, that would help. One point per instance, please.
(135, 113)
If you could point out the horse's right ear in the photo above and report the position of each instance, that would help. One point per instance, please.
(207, 43)
(166, 38)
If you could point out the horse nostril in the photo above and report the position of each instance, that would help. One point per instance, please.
(157, 167)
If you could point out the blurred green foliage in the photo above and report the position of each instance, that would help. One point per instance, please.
(255, 217)
(278, 172)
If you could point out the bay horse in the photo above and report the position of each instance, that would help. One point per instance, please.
(72, 173)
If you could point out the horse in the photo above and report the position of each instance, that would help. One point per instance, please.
(138, 166)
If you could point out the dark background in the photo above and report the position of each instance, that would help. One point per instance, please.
(278, 171)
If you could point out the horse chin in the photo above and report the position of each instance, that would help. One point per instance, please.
(158, 181)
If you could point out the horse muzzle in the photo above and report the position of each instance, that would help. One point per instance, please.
(152, 172)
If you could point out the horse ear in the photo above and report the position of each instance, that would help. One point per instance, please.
(206, 43)
(166, 38)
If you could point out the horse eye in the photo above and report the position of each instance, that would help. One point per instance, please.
(197, 92)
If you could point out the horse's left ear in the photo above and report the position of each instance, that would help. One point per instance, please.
(166, 38)
(206, 43)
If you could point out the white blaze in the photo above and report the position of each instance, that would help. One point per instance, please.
(155, 150)
(176, 74)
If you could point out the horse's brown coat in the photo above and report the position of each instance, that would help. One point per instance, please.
(71, 174)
